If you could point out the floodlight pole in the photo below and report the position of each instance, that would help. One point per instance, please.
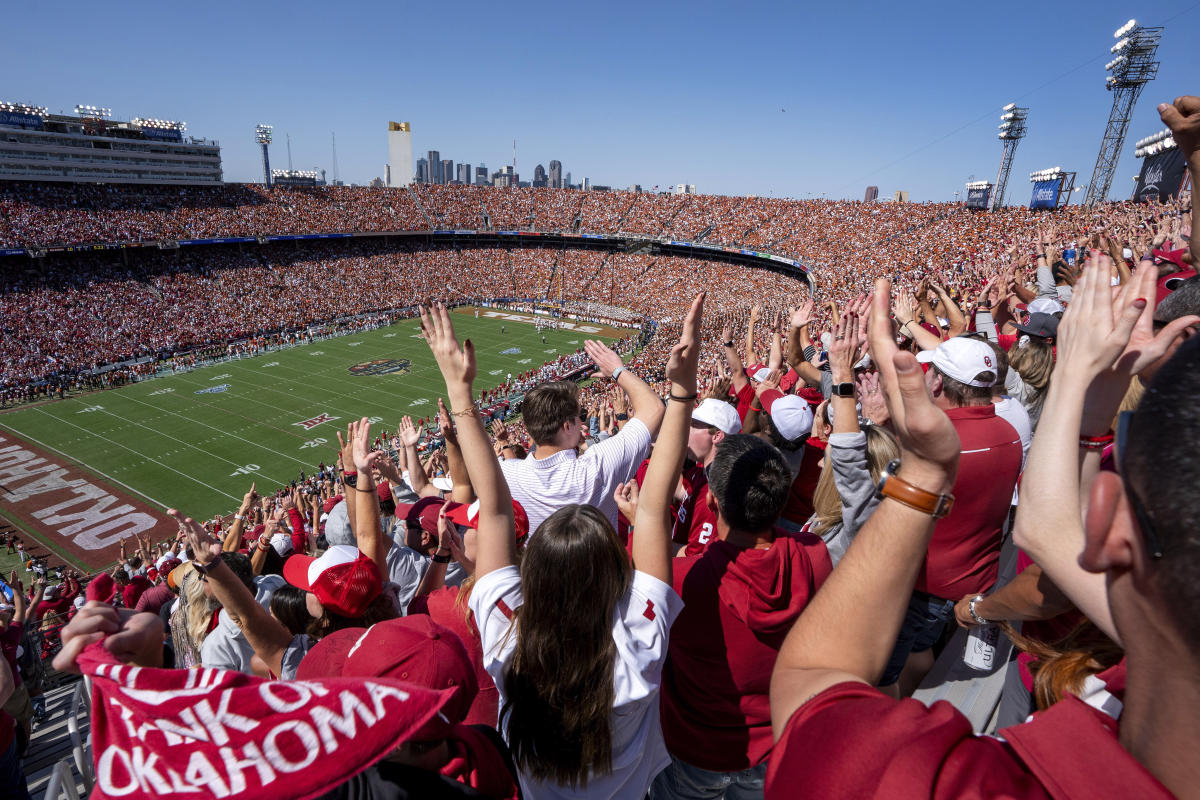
(262, 135)
(1135, 69)
(1011, 133)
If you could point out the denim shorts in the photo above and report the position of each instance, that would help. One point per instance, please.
(683, 781)
(923, 624)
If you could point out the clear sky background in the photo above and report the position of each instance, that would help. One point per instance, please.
(788, 99)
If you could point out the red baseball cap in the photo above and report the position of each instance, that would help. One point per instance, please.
(423, 513)
(137, 585)
(328, 656)
(384, 490)
(102, 588)
(343, 579)
(415, 649)
(468, 516)
(331, 502)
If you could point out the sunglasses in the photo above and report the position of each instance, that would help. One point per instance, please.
(1145, 521)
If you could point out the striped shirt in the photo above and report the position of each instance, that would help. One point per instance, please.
(544, 485)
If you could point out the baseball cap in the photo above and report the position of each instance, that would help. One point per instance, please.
(719, 414)
(137, 585)
(415, 649)
(468, 516)
(423, 513)
(102, 588)
(759, 375)
(443, 483)
(962, 358)
(1044, 326)
(331, 502)
(1045, 305)
(791, 414)
(328, 656)
(344, 580)
(1174, 256)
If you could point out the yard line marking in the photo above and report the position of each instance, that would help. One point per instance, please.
(218, 430)
(137, 453)
(193, 446)
(83, 466)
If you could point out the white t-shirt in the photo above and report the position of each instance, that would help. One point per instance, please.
(542, 486)
(640, 627)
(1011, 411)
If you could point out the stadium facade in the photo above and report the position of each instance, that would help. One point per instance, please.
(90, 148)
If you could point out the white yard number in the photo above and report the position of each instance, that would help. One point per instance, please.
(374, 420)
(272, 364)
(317, 353)
(705, 533)
(89, 409)
(161, 391)
(314, 443)
(221, 377)
(246, 470)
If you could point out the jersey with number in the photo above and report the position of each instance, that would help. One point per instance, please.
(695, 523)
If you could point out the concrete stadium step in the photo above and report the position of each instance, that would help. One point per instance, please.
(51, 741)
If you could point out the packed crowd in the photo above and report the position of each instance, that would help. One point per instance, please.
(721, 569)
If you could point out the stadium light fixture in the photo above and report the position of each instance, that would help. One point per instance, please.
(93, 112)
(262, 133)
(24, 108)
(1009, 107)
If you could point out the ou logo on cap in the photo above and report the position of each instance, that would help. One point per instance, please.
(987, 360)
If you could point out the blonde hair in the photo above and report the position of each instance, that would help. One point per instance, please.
(1034, 362)
(827, 503)
(199, 609)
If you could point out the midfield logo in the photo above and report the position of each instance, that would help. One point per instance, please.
(382, 366)
(309, 424)
(224, 387)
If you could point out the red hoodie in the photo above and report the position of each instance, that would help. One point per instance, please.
(738, 606)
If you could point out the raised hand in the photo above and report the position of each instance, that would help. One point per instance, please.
(500, 432)
(408, 433)
(131, 637)
(205, 546)
(456, 363)
(928, 442)
(1183, 118)
(360, 443)
(843, 347)
(685, 356)
(602, 356)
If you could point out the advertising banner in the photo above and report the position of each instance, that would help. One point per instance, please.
(1045, 194)
(978, 198)
(20, 120)
(1161, 177)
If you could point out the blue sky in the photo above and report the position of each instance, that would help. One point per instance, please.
(771, 99)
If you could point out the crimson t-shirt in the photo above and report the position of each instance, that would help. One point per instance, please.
(964, 553)
(851, 741)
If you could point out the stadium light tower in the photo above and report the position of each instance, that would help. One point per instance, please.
(1132, 68)
(1012, 131)
(262, 135)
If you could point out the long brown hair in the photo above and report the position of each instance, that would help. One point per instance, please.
(1062, 667)
(559, 690)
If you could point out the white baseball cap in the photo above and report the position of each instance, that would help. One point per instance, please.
(761, 374)
(962, 358)
(1045, 305)
(719, 414)
(791, 414)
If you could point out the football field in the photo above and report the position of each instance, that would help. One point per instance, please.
(196, 440)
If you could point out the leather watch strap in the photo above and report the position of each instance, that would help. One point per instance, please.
(900, 490)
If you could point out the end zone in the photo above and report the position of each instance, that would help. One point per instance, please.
(69, 508)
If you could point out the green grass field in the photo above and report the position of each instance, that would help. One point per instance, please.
(175, 445)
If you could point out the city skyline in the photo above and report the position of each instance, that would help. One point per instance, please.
(916, 114)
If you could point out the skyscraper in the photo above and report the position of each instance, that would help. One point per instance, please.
(422, 171)
(400, 153)
(435, 166)
(556, 178)
(539, 176)
(447, 170)
(567, 181)
(464, 174)
(872, 194)
(481, 175)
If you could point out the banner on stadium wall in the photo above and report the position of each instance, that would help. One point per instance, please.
(16, 251)
(1045, 194)
(19, 120)
(162, 135)
(1161, 177)
(978, 198)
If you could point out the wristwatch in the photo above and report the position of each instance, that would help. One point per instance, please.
(893, 486)
(844, 389)
(975, 614)
(440, 559)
